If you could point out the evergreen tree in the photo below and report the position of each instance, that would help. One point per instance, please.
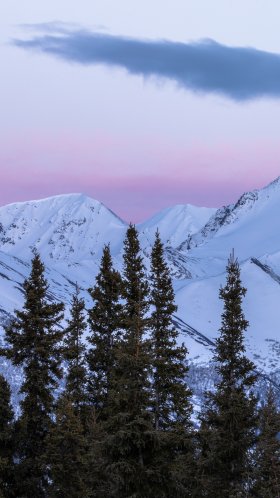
(6, 440)
(67, 454)
(130, 437)
(171, 397)
(267, 455)
(229, 417)
(34, 343)
(104, 321)
(74, 353)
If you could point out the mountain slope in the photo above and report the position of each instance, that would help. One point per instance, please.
(251, 226)
(73, 228)
(176, 224)
(66, 228)
(70, 231)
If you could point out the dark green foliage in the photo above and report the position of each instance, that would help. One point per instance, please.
(229, 416)
(98, 481)
(6, 440)
(74, 353)
(267, 455)
(123, 429)
(67, 454)
(171, 397)
(34, 343)
(104, 321)
(130, 438)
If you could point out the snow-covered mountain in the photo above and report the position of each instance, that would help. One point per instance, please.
(65, 229)
(251, 225)
(70, 231)
(176, 224)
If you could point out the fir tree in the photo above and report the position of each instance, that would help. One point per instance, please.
(104, 321)
(171, 397)
(129, 438)
(74, 353)
(229, 416)
(67, 454)
(34, 343)
(6, 441)
(267, 454)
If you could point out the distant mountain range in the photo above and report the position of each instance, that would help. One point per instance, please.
(70, 231)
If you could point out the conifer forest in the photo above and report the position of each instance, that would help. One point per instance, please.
(106, 410)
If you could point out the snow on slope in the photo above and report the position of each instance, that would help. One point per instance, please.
(176, 223)
(251, 226)
(74, 228)
(69, 228)
(70, 231)
(199, 305)
(13, 272)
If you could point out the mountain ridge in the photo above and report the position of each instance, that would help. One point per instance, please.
(70, 231)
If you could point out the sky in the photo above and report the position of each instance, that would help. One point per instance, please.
(141, 105)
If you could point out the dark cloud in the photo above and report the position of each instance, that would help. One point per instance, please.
(204, 66)
(58, 27)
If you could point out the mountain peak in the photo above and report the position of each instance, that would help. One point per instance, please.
(176, 223)
(251, 225)
(60, 198)
(67, 227)
(272, 186)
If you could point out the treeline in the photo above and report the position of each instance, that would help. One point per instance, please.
(121, 426)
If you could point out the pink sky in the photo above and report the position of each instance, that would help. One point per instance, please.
(133, 180)
(138, 145)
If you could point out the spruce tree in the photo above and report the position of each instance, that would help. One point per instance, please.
(130, 439)
(267, 454)
(171, 397)
(171, 402)
(67, 454)
(74, 353)
(229, 417)
(70, 444)
(104, 321)
(34, 343)
(6, 441)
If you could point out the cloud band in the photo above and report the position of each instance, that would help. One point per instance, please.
(239, 73)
